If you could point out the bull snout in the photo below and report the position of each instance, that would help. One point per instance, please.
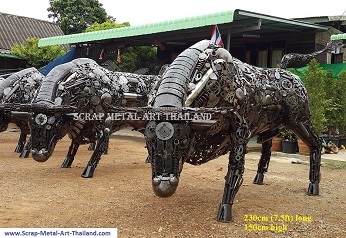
(165, 186)
(41, 155)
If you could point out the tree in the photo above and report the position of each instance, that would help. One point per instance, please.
(109, 24)
(35, 56)
(336, 105)
(74, 16)
(137, 57)
(333, 104)
(133, 57)
(315, 80)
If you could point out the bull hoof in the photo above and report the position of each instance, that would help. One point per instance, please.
(225, 213)
(258, 179)
(88, 172)
(313, 189)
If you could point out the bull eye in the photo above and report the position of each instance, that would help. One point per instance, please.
(41, 119)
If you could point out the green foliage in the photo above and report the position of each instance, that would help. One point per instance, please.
(340, 99)
(327, 99)
(109, 24)
(74, 16)
(137, 57)
(35, 56)
(315, 80)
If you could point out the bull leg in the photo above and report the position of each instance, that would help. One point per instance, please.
(263, 163)
(21, 143)
(234, 177)
(26, 151)
(306, 133)
(148, 146)
(106, 146)
(92, 146)
(96, 156)
(70, 154)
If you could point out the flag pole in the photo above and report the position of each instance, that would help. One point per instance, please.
(228, 45)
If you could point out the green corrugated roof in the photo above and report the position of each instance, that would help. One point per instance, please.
(338, 37)
(172, 25)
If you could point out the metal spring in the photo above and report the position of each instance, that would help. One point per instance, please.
(199, 65)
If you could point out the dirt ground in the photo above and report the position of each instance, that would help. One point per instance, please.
(120, 195)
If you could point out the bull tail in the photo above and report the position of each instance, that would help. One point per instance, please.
(288, 58)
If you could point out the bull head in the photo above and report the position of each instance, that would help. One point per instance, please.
(46, 130)
(167, 145)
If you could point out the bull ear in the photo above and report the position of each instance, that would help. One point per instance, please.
(53, 109)
(37, 107)
(19, 115)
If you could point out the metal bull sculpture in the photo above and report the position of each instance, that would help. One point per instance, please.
(73, 99)
(250, 102)
(20, 87)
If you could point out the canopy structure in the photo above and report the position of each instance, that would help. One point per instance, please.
(235, 23)
(337, 69)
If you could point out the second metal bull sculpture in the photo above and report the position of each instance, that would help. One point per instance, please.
(20, 87)
(73, 99)
(252, 102)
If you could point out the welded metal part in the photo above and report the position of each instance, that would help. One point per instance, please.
(164, 131)
(249, 101)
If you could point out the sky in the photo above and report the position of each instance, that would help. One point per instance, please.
(139, 12)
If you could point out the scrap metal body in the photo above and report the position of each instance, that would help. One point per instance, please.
(251, 102)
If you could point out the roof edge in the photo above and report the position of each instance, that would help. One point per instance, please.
(283, 20)
(150, 28)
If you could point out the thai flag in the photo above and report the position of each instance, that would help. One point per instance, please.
(216, 36)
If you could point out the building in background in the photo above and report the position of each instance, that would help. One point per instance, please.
(254, 38)
(16, 30)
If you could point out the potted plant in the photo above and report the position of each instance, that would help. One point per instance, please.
(276, 144)
(289, 141)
